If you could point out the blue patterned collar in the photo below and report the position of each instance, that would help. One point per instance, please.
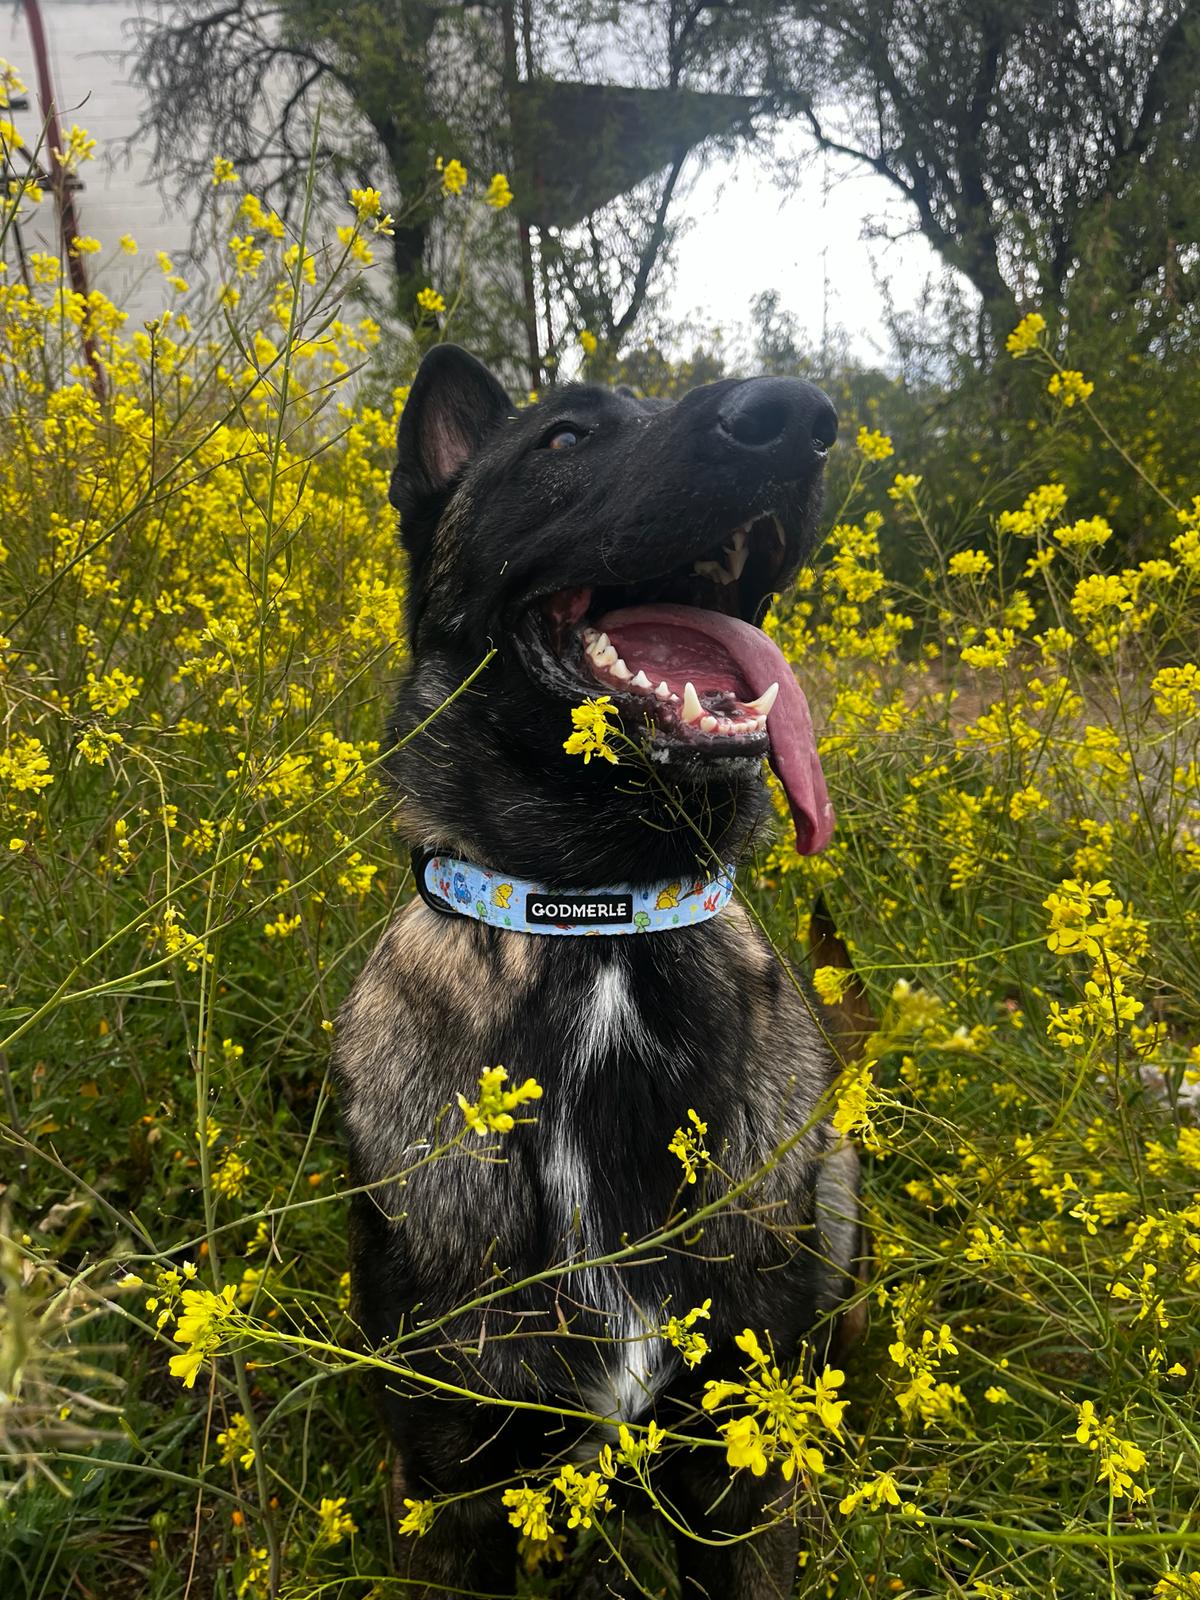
(450, 885)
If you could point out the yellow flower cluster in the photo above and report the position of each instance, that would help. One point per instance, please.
(687, 1144)
(779, 1418)
(592, 730)
(493, 1111)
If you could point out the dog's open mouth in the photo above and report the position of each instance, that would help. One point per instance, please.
(681, 658)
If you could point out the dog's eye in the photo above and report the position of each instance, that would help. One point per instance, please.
(564, 439)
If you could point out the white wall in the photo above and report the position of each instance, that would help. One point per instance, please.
(118, 197)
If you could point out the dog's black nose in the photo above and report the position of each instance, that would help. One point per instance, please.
(782, 417)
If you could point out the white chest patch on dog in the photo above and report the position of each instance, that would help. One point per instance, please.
(611, 1020)
(636, 1360)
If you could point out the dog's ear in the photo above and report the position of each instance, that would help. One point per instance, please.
(453, 405)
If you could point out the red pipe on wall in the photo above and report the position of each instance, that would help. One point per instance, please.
(61, 181)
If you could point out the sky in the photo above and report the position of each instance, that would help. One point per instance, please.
(748, 234)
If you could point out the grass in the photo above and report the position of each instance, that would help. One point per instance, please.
(200, 602)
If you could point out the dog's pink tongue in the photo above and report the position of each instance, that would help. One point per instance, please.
(760, 663)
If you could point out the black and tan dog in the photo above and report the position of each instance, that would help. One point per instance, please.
(603, 545)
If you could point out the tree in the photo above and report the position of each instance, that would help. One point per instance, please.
(247, 77)
(1048, 148)
(402, 82)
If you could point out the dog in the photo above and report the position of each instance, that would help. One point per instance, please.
(600, 544)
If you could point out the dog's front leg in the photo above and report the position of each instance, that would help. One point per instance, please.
(761, 1567)
(469, 1550)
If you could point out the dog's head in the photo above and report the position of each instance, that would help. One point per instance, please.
(604, 545)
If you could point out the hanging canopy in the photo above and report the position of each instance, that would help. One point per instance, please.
(577, 146)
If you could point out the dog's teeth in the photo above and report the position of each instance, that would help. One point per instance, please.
(663, 691)
(590, 635)
(692, 709)
(737, 555)
(641, 681)
(764, 702)
(716, 570)
(708, 724)
(779, 533)
(739, 537)
(759, 724)
(618, 669)
(605, 655)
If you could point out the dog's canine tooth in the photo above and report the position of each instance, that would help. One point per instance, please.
(765, 701)
(737, 555)
(641, 681)
(692, 709)
(780, 535)
(663, 691)
(716, 570)
(618, 669)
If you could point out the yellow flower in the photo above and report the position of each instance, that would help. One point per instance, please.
(492, 1113)
(904, 486)
(498, 193)
(877, 1492)
(355, 245)
(201, 1328)
(584, 1492)
(247, 255)
(592, 730)
(1000, 642)
(831, 983)
(24, 765)
(236, 1443)
(969, 564)
(83, 245)
(1070, 387)
(857, 1097)
(333, 1524)
(129, 244)
(222, 172)
(10, 84)
(1119, 1458)
(688, 1144)
(528, 1511)
(588, 342)
(430, 300)
(1084, 533)
(454, 177)
(1176, 690)
(679, 1332)
(872, 444)
(744, 1445)
(1026, 335)
(417, 1519)
(229, 1179)
(80, 146)
(367, 203)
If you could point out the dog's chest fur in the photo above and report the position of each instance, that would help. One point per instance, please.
(625, 1036)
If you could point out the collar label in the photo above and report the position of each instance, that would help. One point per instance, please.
(449, 884)
(569, 910)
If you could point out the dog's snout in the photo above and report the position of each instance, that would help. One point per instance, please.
(779, 417)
